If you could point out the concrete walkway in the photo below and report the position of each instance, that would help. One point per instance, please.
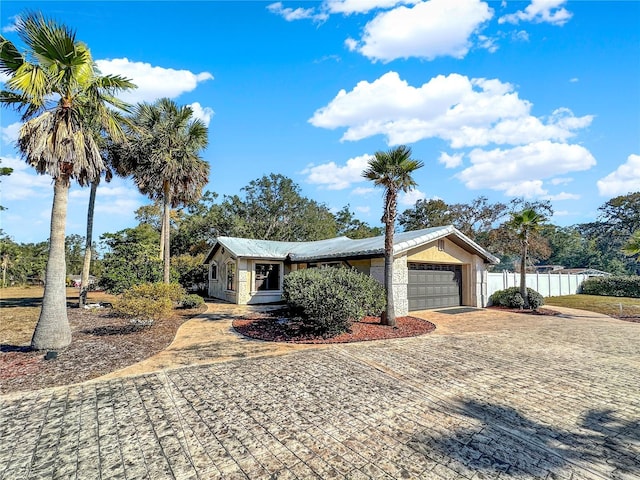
(210, 338)
(487, 395)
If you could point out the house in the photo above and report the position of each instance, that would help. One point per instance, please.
(435, 267)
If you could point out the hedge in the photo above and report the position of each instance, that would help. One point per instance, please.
(614, 286)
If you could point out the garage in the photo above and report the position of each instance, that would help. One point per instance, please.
(434, 286)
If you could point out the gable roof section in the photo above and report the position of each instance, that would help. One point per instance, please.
(343, 247)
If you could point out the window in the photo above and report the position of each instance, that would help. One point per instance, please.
(267, 276)
(441, 244)
(213, 271)
(231, 276)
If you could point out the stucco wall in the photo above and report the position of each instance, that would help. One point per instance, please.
(217, 288)
(452, 253)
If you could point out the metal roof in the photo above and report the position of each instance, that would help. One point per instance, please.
(343, 247)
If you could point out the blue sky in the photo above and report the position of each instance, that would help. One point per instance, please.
(538, 98)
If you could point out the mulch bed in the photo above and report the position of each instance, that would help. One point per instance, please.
(101, 343)
(278, 329)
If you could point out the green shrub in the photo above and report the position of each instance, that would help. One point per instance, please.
(192, 301)
(614, 286)
(511, 298)
(149, 301)
(329, 300)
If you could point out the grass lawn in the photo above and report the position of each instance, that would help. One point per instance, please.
(21, 308)
(620, 307)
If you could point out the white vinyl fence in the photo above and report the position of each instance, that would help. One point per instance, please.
(546, 284)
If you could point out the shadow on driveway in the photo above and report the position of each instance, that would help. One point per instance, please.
(504, 441)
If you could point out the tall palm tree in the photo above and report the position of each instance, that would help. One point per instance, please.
(525, 223)
(164, 159)
(56, 87)
(391, 170)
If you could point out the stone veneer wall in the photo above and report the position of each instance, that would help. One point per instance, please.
(400, 281)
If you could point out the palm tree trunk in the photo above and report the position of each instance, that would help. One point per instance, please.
(5, 265)
(389, 219)
(523, 272)
(166, 252)
(86, 266)
(52, 331)
(162, 237)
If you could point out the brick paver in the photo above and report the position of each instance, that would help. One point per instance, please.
(547, 398)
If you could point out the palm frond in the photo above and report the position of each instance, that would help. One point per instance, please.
(10, 58)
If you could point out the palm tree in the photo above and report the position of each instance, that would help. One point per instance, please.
(525, 223)
(164, 159)
(56, 87)
(391, 170)
(632, 247)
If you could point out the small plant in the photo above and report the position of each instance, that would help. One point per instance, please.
(192, 301)
(614, 286)
(511, 298)
(149, 302)
(328, 300)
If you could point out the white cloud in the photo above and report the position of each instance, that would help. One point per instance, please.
(574, 80)
(361, 209)
(10, 133)
(24, 183)
(513, 169)
(563, 196)
(526, 188)
(362, 191)
(429, 29)
(203, 113)
(520, 35)
(348, 7)
(450, 161)
(4, 77)
(540, 11)
(12, 27)
(465, 112)
(335, 177)
(561, 213)
(291, 14)
(487, 43)
(351, 44)
(411, 197)
(625, 179)
(116, 197)
(153, 82)
(561, 180)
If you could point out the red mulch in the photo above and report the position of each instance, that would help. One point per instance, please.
(275, 329)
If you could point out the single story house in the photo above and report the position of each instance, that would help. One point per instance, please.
(433, 268)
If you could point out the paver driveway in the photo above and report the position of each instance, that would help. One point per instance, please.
(487, 395)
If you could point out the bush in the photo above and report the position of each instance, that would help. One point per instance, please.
(614, 286)
(329, 300)
(511, 298)
(191, 271)
(192, 301)
(149, 301)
